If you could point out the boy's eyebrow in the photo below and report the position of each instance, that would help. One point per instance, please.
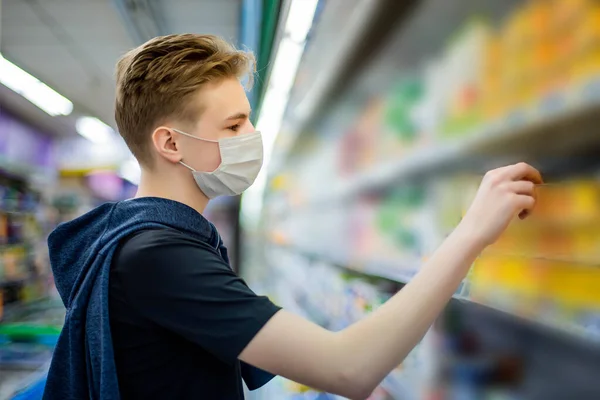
(239, 116)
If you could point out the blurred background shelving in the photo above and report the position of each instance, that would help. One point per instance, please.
(387, 155)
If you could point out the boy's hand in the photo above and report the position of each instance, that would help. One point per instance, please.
(503, 194)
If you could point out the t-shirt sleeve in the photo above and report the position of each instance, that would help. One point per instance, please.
(185, 287)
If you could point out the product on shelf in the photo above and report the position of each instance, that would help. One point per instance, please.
(359, 146)
(548, 266)
(332, 297)
(463, 69)
(400, 127)
(398, 222)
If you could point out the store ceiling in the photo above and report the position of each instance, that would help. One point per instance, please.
(73, 45)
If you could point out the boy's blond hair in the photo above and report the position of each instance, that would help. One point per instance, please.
(156, 80)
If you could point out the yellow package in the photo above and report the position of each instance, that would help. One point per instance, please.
(534, 278)
(557, 285)
(482, 274)
(587, 281)
(593, 294)
(585, 200)
(587, 67)
(514, 34)
(586, 243)
(587, 32)
(510, 274)
(575, 282)
(486, 278)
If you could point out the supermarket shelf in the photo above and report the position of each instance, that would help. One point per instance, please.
(569, 331)
(403, 275)
(397, 383)
(350, 46)
(400, 271)
(574, 261)
(550, 129)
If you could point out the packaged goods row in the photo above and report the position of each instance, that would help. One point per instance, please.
(545, 268)
(492, 80)
(335, 298)
(469, 353)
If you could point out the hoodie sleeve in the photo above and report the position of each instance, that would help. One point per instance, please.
(184, 286)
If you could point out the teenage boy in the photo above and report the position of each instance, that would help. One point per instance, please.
(153, 308)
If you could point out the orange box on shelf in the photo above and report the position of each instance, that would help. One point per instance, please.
(567, 14)
(546, 65)
(539, 21)
(565, 47)
(552, 201)
(554, 243)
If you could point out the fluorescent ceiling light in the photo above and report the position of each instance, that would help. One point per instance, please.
(94, 130)
(277, 94)
(282, 78)
(285, 66)
(287, 60)
(300, 19)
(33, 89)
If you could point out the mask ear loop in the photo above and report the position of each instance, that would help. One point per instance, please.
(187, 166)
(193, 137)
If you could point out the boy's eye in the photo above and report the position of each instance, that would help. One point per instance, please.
(234, 127)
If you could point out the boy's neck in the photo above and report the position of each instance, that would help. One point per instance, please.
(178, 187)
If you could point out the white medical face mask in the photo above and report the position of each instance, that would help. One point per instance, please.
(241, 160)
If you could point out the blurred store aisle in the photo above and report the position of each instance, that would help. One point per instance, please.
(379, 119)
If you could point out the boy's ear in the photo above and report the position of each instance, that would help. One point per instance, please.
(164, 141)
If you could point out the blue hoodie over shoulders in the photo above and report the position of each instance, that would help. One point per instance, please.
(81, 253)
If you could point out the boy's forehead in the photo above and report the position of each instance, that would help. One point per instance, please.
(225, 98)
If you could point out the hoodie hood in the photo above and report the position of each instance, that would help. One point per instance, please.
(81, 254)
(75, 245)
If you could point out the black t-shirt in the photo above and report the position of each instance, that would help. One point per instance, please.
(179, 318)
